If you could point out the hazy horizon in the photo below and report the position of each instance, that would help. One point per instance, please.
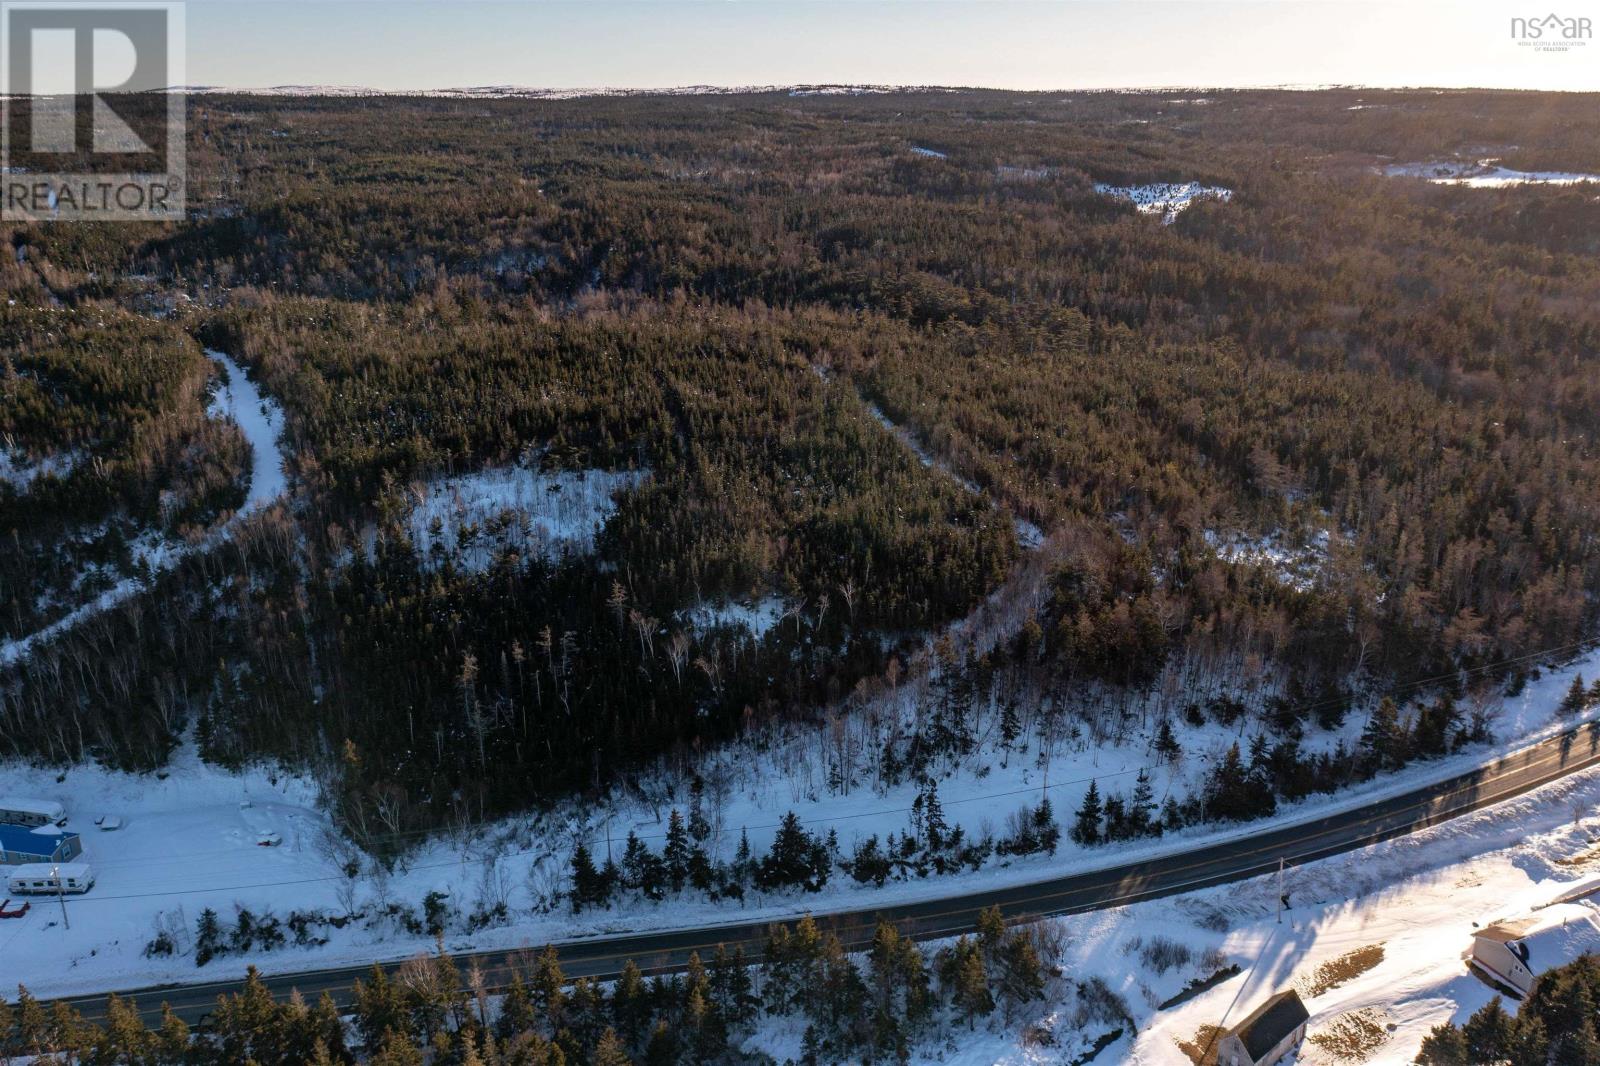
(1002, 44)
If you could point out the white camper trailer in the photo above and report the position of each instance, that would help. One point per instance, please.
(48, 879)
(18, 810)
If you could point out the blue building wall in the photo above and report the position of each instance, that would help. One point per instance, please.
(18, 845)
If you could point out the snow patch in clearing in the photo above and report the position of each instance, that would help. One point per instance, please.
(1167, 199)
(474, 518)
(931, 153)
(1484, 174)
(758, 617)
(1299, 567)
(20, 471)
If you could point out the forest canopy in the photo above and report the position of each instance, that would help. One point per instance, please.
(854, 350)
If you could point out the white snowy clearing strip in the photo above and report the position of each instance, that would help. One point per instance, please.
(477, 517)
(1484, 174)
(261, 421)
(929, 152)
(1166, 199)
(1029, 536)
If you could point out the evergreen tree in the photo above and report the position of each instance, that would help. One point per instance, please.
(516, 1011)
(1167, 747)
(1577, 1047)
(676, 853)
(1444, 1046)
(991, 932)
(589, 887)
(1046, 833)
(1010, 725)
(547, 989)
(1086, 829)
(207, 937)
(1488, 1033)
(630, 1006)
(1142, 806)
(732, 994)
(796, 859)
(1021, 972)
(699, 827)
(1383, 745)
(966, 982)
(1576, 699)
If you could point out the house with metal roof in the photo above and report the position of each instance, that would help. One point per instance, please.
(19, 844)
(1515, 952)
(1267, 1035)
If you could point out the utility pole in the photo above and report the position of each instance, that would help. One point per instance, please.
(61, 895)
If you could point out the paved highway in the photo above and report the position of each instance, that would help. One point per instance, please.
(1207, 864)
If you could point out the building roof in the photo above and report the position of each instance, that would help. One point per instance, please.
(1549, 937)
(21, 838)
(1268, 1024)
(44, 808)
(50, 869)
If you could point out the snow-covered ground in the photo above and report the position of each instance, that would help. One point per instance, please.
(261, 421)
(1167, 199)
(931, 153)
(476, 517)
(1299, 566)
(20, 471)
(758, 617)
(1378, 934)
(1483, 174)
(189, 845)
(1418, 898)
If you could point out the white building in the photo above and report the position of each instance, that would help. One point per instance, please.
(47, 879)
(18, 810)
(1516, 951)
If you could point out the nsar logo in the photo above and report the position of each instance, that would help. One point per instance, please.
(1552, 33)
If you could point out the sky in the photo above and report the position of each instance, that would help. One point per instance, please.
(1017, 44)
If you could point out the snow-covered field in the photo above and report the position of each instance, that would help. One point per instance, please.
(1483, 174)
(1167, 199)
(261, 421)
(473, 518)
(188, 845)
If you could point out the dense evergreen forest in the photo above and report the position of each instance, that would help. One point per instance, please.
(871, 1007)
(731, 296)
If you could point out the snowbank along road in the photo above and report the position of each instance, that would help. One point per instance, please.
(1213, 864)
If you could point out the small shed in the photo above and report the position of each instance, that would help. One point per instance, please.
(19, 810)
(1270, 1032)
(19, 844)
(1515, 952)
